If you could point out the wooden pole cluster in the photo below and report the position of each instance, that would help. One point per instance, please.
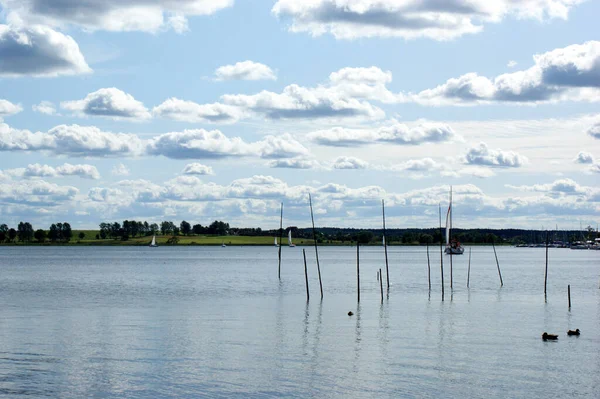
(280, 238)
(312, 218)
(497, 264)
(441, 252)
(387, 270)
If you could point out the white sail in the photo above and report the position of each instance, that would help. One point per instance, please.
(276, 242)
(153, 243)
(290, 238)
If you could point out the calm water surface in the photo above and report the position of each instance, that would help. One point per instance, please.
(217, 323)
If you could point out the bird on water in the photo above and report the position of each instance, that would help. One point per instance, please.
(546, 336)
(573, 332)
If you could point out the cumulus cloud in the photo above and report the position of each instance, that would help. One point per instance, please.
(438, 20)
(45, 107)
(569, 73)
(83, 170)
(558, 187)
(595, 168)
(482, 155)
(114, 15)
(36, 192)
(71, 140)
(197, 144)
(120, 170)
(397, 133)
(189, 111)
(283, 146)
(7, 108)
(197, 169)
(110, 102)
(511, 64)
(584, 157)
(245, 70)
(349, 163)
(38, 51)
(594, 131)
(294, 163)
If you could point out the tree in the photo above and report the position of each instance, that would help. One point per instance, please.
(53, 233)
(81, 235)
(198, 229)
(153, 228)
(67, 233)
(12, 234)
(185, 228)
(166, 227)
(364, 237)
(40, 235)
(25, 232)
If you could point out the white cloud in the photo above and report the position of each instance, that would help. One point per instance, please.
(120, 170)
(36, 192)
(584, 157)
(197, 169)
(482, 155)
(38, 51)
(559, 187)
(511, 64)
(82, 170)
(283, 146)
(111, 103)
(114, 15)
(7, 108)
(396, 133)
(594, 130)
(349, 163)
(45, 107)
(438, 20)
(569, 73)
(245, 70)
(188, 111)
(197, 144)
(595, 168)
(294, 163)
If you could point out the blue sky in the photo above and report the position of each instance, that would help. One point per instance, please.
(204, 110)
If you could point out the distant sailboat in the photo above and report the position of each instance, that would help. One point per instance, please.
(153, 243)
(453, 247)
(290, 239)
(223, 245)
(276, 242)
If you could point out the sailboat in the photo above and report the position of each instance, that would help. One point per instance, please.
(223, 244)
(276, 242)
(453, 246)
(290, 239)
(153, 243)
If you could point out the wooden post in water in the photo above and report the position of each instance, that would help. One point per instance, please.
(497, 264)
(469, 272)
(441, 252)
(358, 270)
(280, 238)
(428, 268)
(387, 270)
(451, 278)
(569, 294)
(381, 286)
(312, 218)
(546, 274)
(306, 274)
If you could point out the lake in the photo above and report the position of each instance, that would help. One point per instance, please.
(184, 322)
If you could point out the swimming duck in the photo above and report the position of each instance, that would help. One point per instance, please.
(546, 336)
(573, 332)
(350, 313)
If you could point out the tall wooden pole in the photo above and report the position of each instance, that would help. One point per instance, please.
(441, 251)
(358, 270)
(546, 274)
(381, 286)
(497, 264)
(450, 240)
(280, 238)
(387, 270)
(306, 274)
(469, 272)
(428, 268)
(312, 218)
(569, 294)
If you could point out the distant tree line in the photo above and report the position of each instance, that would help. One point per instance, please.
(24, 233)
(131, 229)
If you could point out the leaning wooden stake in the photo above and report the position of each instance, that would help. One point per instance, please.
(306, 274)
(381, 286)
(428, 268)
(280, 238)
(312, 218)
(451, 277)
(546, 274)
(497, 264)
(441, 252)
(387, 270)
(569, 294)
(469, 272)
(358, 270)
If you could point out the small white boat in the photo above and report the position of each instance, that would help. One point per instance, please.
(276, 242)
(290, 239)
(453, 247)
(153, 243)
(223, 245)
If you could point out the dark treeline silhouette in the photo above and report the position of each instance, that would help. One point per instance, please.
(58, 232)
(132, 228)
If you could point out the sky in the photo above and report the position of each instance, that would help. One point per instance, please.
(204, 110)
